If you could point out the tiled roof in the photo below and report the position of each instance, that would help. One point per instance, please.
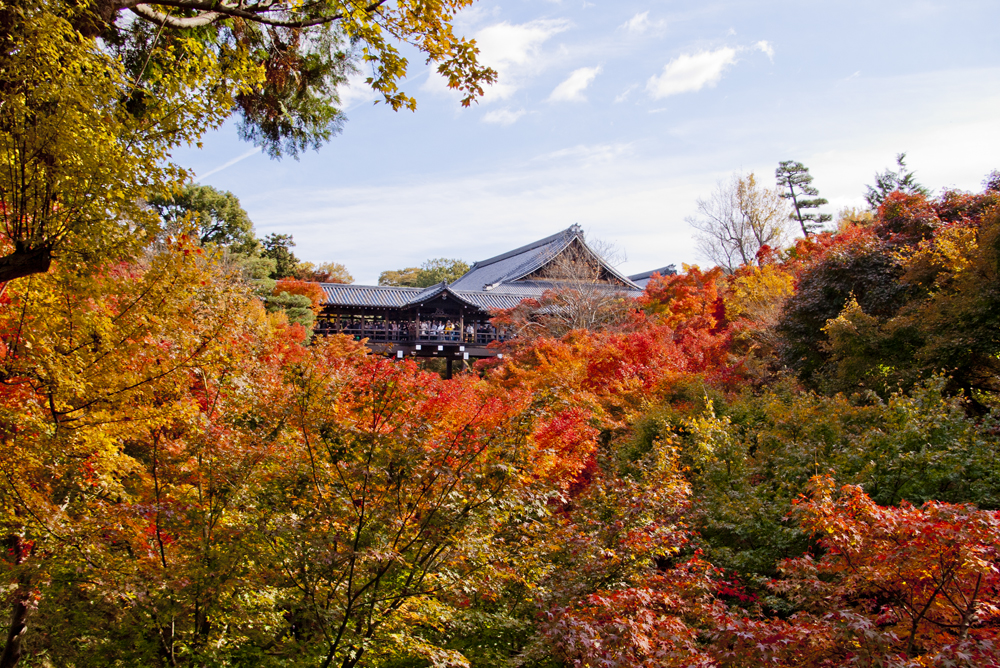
(491, 301)
(490, 284)
(642, 279)
(368, 295)
(536, 288)
(521, 262)
(379, 295)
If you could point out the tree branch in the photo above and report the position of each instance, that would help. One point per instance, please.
(214, 11)
(23, 263)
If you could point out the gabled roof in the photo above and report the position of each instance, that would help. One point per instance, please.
(497, 283)
(643, 278)
(399, 297)
(520, 262)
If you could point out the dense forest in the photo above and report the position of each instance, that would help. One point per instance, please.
(793, 464)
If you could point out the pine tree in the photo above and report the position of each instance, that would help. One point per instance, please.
(890, 181)
(794, 179)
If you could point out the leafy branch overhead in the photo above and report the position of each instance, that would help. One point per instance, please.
(97, 94)
(375, 27)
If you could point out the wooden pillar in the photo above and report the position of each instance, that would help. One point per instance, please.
(448, 372)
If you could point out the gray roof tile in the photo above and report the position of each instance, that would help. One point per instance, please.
(642, 279)
(521, 262)
(490, 284)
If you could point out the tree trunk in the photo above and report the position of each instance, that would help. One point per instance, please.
(23, 263)
(20, 550)
(12, 650)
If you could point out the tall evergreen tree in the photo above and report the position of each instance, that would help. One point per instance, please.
(278, 247)
(794, 180)
(890, 181)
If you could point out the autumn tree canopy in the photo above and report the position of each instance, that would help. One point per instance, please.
(94, 99)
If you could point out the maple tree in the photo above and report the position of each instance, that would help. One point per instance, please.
(77, 161)
(900, 300)
(91, 362)
(900, 586)
(93, 102)
(324, 272)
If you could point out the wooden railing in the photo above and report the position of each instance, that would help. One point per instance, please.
(379, 334)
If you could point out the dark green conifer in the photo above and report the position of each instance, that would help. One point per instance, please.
(794, 179)
(890, 181)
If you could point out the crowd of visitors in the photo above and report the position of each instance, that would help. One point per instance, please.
(428, 330)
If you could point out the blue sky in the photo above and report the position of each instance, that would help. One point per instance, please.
(620, 115)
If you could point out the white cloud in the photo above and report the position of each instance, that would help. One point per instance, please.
(625, 93)
(571, 90)
(691, 72)
(586, 155)
(355, 91)
(502, 45)
(766, 48)
(513, 50)
(638, 23)
(504, 116)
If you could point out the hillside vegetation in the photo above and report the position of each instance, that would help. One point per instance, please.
(794, 464)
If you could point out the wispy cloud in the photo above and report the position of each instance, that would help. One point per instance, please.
(505, 116)
(571, 90)
(640, 24)
(766, 48)
(621, 97)
(232, 162)
(514, 51)
(588, 154)
(691, 72)
(355, 91)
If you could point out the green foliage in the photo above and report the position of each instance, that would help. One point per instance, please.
(278, 248)
(300, 54)
(864, 271)
(427, 274)
(83, 141)
(256, 271)
(917, 299)
(747, 467)
(795, 180)
(890, 181)
(297, 107)
(217, 216)
(94, 101)
(298, 308)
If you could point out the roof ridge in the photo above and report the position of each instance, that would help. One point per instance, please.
(572, 230)
(379, 287)
(662, 271)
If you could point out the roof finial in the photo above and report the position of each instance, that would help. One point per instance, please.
(576, 229)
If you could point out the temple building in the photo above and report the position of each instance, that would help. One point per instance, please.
(452, 321)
